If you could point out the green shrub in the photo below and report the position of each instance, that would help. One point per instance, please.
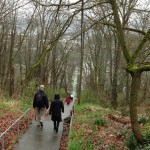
(143, 147)
(142, 120)
(147, 137)
(100, 122)
(112, 147)
(147, 147)
(131, 143)
(146, 126)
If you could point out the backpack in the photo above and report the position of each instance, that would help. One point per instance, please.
(39, 100)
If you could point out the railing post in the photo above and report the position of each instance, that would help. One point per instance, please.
(3, 141)
(28, 117)
(18, 124)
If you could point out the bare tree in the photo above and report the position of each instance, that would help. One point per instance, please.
(82, 52)
(132, 68)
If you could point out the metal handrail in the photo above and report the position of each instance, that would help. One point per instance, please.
(18, 124)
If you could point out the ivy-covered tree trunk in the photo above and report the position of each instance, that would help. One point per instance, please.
(135, 85)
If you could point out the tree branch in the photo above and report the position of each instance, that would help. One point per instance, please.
(145, 68)
(51, 44)
(120, 32)
(126, 28)
(52, 4)
(139, 48)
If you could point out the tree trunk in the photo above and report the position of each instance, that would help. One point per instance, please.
(114, 103)
(11, 68)
(135, 85)
(145, 88)
(82, 52)
(53, 71)
(127, 90)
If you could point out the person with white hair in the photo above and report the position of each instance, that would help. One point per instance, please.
(40, 104)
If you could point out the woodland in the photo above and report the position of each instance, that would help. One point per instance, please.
(105, 42)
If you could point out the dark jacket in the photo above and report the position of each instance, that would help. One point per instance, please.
(55, 110)
(44, 98)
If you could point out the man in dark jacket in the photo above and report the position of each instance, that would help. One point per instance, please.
(56, 108)
(40, 104)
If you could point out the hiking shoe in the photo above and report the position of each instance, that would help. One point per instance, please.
(41, 123)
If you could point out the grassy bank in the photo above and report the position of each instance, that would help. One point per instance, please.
(93, 129)
(15, 105)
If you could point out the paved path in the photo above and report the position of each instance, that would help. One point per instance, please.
(38, 138)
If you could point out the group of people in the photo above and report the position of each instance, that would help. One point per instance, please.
(42, 108)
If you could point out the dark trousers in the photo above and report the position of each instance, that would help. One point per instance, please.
(56, 124)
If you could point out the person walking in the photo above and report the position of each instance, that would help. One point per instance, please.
(71, 97)
(68, 99)
(56, 107)
(40, 104)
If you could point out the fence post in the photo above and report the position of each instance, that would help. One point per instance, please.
(18, 124)
(28, 117)
(3, 141)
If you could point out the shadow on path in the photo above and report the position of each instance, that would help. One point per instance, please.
(43, 138)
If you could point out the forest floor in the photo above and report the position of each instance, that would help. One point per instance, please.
(107, 137)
